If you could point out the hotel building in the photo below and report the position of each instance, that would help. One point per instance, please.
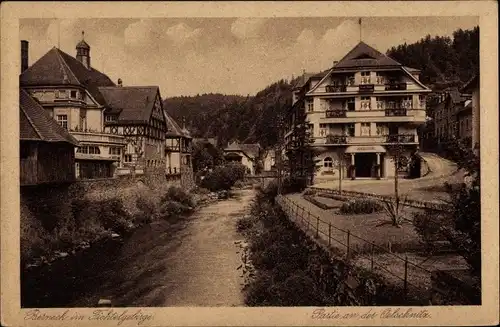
(357, 111)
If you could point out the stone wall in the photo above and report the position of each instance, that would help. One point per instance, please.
(47, 210)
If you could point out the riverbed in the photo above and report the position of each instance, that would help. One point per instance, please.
(191, 262)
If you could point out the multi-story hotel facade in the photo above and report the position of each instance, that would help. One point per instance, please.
(357, 110)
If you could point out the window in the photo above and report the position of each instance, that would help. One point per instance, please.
(350, 104)
(127, 158)
(349, 129)
(110, 118)
(63, 120)
(365, 103)
(328, 162)
(310, 127)
(381, 129)
(365, 78)
(61, 94)
(322, 129)
(73, 94)
(365, 129)
(115, 151)
(380, 103)
(310, 106)
(94, 150)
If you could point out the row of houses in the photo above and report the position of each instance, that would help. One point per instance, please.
(453, 115)
(363, 109)
(76, 123)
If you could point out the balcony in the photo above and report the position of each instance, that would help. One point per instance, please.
(97, 137)
(172, 171)
(401, 138)
(398, 112)
(336, 139)
(336, 113)
(336, 88)
(395, 86)
(366, 87)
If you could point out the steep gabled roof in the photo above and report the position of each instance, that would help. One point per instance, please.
(134, 104)
(174, 129)
(57, 68)
(363, 55)
(35, 124)
(250, 150)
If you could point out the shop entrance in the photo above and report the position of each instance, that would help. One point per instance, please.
(365, 163)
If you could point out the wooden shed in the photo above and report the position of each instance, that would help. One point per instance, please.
(47, 150)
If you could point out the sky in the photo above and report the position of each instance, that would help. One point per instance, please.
(189, 56)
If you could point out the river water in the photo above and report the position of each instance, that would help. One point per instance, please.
(192, 262)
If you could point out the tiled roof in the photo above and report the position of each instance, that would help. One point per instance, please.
(133, 103)
(35, 124)
(57, 68)
(302, 80)
(251, 150)
(363, 55)
(457, 97)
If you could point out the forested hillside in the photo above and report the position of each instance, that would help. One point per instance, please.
(444, 62)
(229, 117)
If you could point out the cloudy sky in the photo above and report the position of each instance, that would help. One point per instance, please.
(188, 56)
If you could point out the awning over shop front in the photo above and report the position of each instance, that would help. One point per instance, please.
(365, 149)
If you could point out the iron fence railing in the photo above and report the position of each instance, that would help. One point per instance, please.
(408, 273)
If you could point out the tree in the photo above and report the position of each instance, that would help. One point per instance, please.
(461, 225)
(302, 155)
(393, 207)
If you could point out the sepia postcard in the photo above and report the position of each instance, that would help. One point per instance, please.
(281, 163)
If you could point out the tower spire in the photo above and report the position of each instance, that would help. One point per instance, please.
(83, 35)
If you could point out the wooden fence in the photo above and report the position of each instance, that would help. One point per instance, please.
(408, 273)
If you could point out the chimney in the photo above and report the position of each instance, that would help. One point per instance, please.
(24, 55)
(120, 83)
(335, 62)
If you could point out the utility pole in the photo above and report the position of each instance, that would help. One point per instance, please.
(340, 173)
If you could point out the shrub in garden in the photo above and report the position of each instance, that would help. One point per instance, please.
(361, 206)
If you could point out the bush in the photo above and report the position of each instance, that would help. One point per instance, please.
(361, 206)
(223, 177)
(428, 226)
(177, 194)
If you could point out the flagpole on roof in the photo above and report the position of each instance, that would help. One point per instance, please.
(360, 30)
(58, 33)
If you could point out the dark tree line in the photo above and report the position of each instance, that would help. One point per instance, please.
(249, 119)
(444, 61)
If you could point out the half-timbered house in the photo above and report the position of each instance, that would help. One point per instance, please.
(136, 112)
(47, 150)
(178, 150)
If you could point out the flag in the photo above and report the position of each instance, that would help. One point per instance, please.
(360, 21)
